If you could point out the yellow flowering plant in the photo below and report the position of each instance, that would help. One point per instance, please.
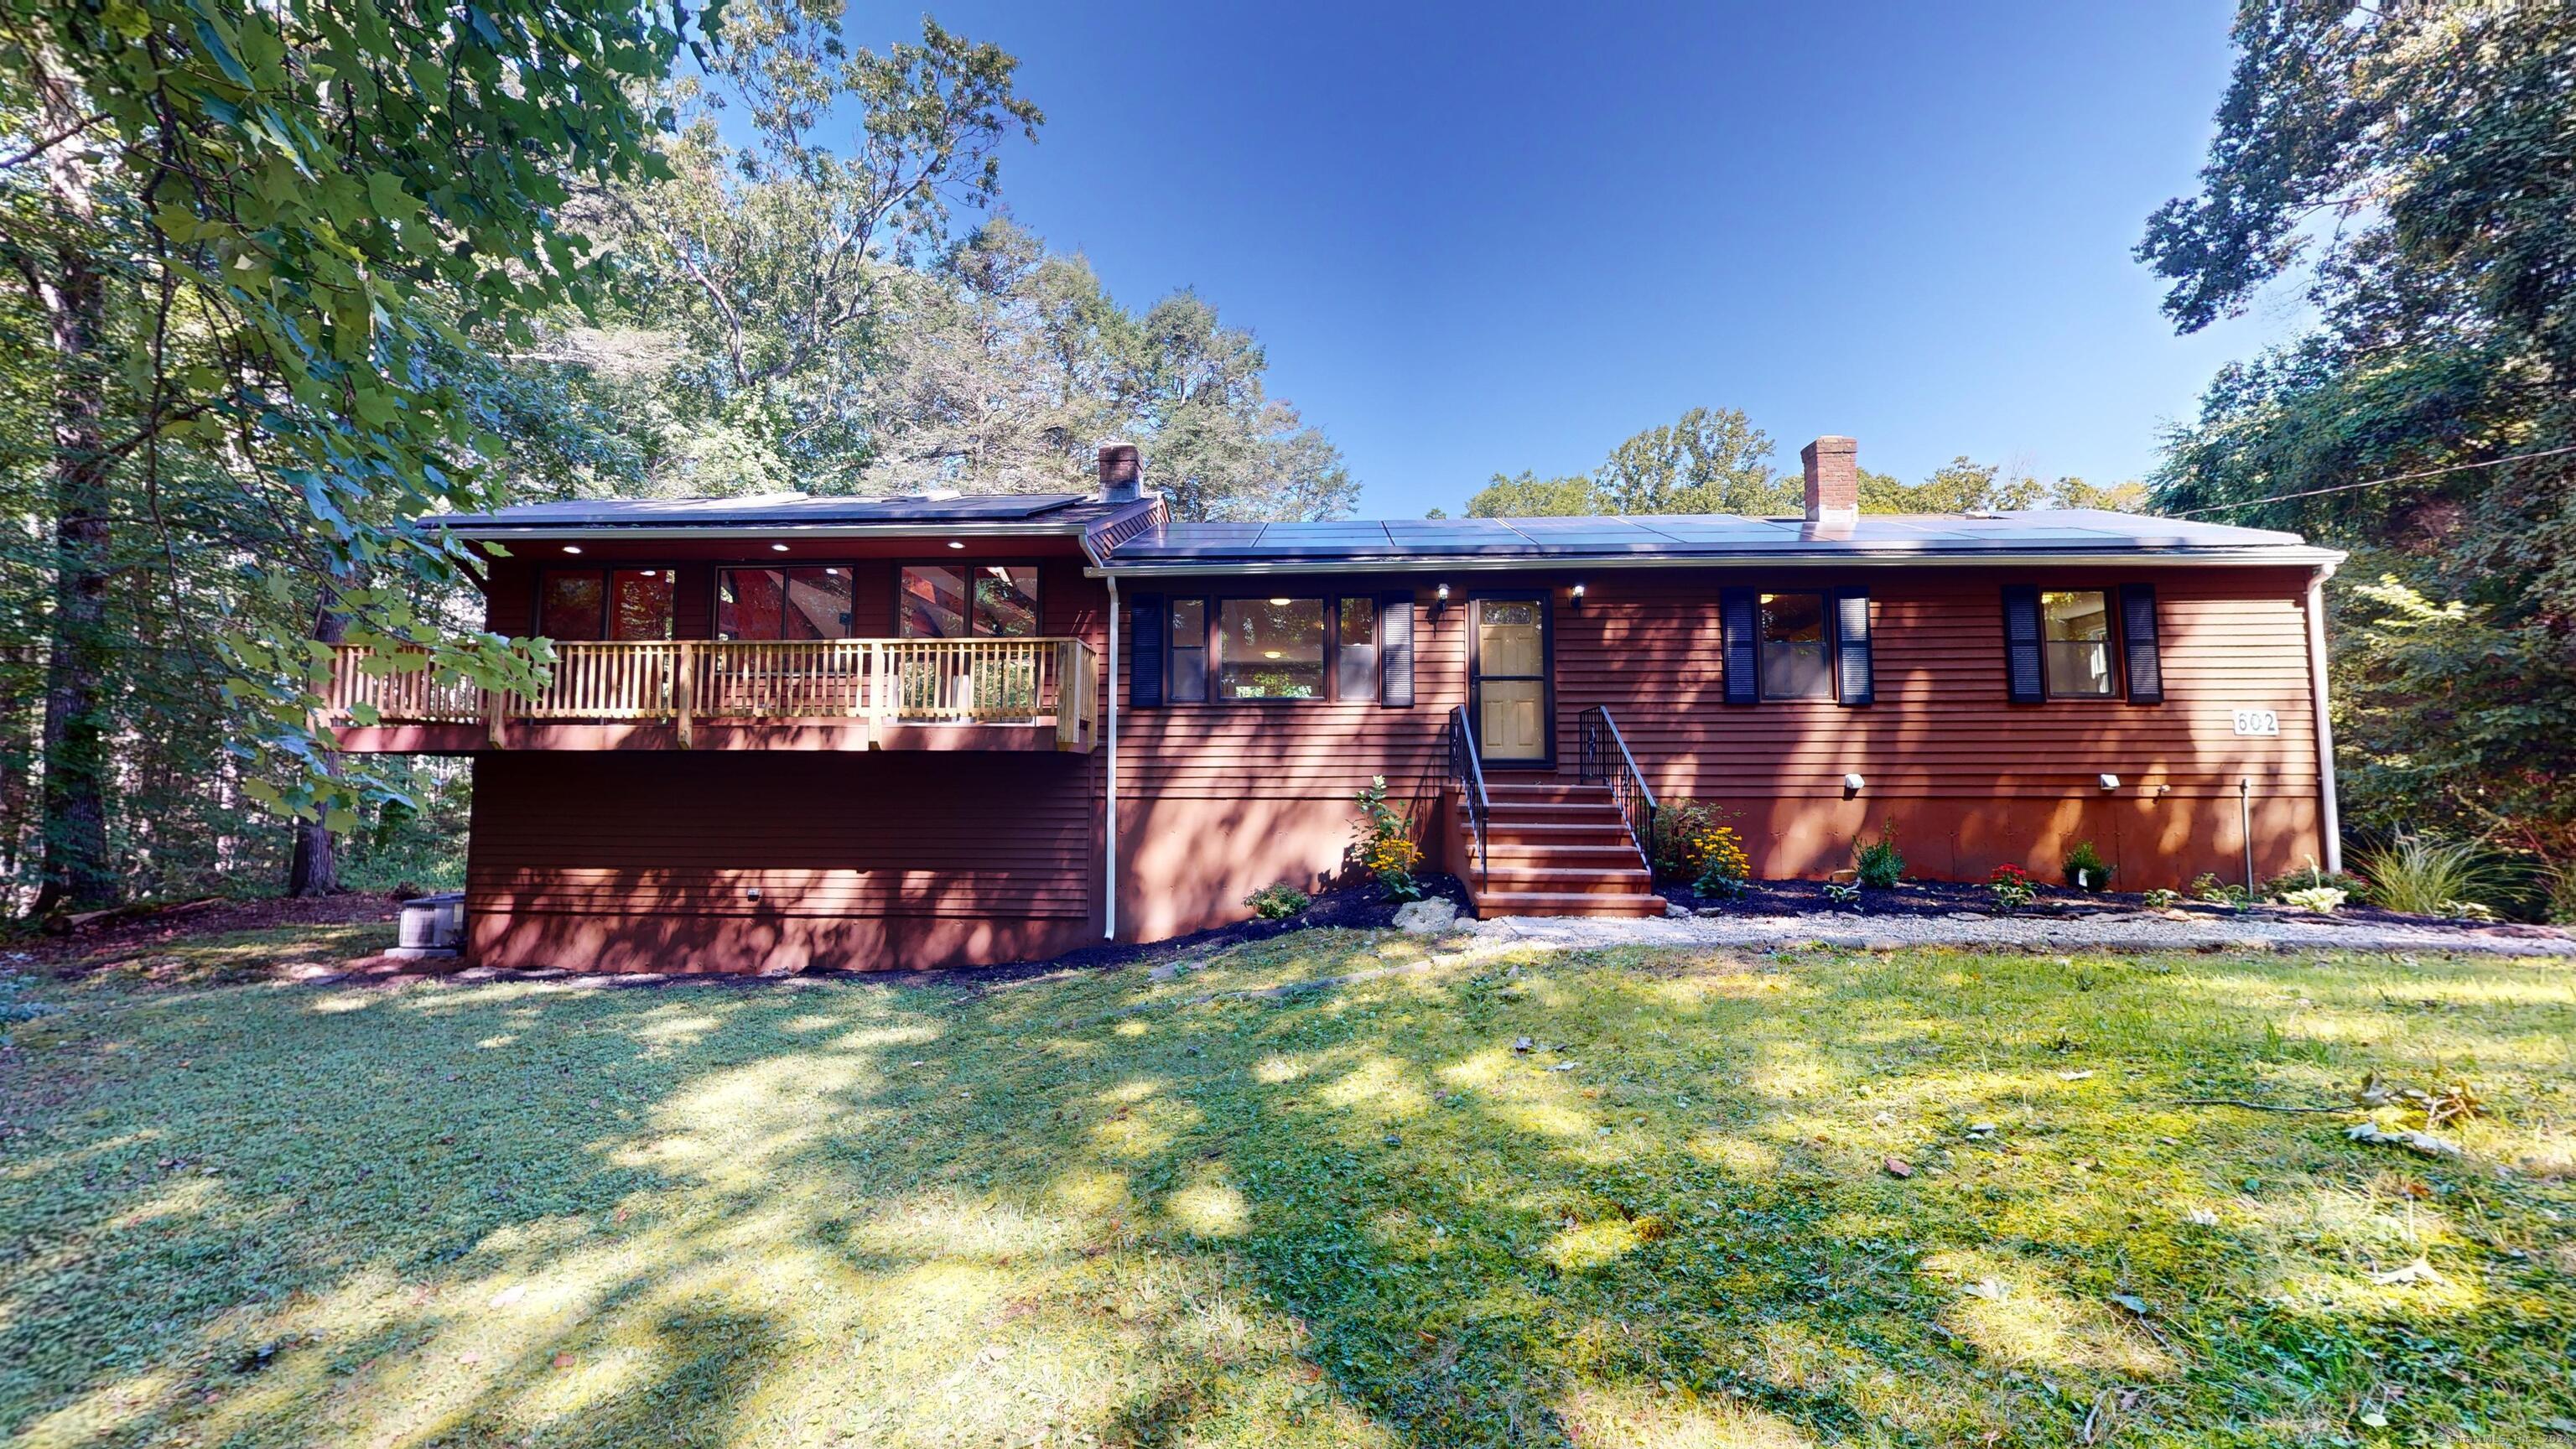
(1725, 870)
(1386, 848)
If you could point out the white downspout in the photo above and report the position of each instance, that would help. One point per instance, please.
(1109, 866)
(2329, 815)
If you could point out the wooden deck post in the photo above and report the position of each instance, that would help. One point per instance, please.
(684, 688)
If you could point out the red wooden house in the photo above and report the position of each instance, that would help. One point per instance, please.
(798, 731)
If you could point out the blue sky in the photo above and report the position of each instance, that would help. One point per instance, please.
(1506, 236)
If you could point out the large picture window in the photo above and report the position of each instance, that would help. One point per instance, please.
(591, 604)
(1274, 648)
(807, 603)
(957, 601)
(2075, 644)
(1270, 649)
(1796, 649)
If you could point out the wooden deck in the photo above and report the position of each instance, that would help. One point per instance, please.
(824, 694)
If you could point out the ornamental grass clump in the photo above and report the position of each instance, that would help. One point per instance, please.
(2428, 878)
(1386, 847)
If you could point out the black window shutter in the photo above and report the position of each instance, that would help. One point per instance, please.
(1854, 677)
(2023, 682)
(1735, 630)
(2146, 665)
(1145, 653)
(1395, 651)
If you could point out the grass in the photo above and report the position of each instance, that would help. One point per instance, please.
(1107, 1210)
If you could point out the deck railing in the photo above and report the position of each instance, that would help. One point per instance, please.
(689, 682)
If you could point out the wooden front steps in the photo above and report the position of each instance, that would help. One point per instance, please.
(1556, 848)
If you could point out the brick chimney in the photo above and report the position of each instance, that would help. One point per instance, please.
(1833, 480)
(1122, 473)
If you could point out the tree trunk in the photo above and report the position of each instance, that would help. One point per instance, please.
(77, 872)
(314, 870)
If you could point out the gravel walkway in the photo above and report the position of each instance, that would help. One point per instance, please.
(2129, 932)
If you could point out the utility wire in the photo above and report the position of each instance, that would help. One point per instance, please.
(2375, 482)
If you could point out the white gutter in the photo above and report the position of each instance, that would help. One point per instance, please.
(2330, 816)
(1417, 564)
(1109, 868)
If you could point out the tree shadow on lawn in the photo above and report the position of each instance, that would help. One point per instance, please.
(922, 1215)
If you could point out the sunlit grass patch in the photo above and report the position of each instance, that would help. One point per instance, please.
(1470, 1195)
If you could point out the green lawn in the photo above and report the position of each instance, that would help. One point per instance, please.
(1101, 1210)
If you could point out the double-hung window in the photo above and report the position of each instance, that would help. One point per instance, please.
(2076, 657)
(1796, 647)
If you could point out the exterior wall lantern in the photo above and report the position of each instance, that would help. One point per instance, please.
(1439, 602)
(1575, 598)
(1853, 785)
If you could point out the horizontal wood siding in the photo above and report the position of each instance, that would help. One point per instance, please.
(645, 838)
(1968, 780)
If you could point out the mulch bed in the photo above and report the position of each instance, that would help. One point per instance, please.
(1951, 898)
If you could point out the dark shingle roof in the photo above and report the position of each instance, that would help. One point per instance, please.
(1015, 512)
(1714, 537)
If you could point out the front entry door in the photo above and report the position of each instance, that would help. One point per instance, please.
(1509, 677)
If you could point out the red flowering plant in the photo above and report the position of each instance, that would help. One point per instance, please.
(2013, 886)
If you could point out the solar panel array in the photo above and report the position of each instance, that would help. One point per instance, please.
(766, 510)
(2037, 531)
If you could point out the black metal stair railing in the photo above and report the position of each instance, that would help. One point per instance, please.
(1467, 773)
(1605, 760)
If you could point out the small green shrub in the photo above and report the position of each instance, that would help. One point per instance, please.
(1843, 893)
(2558, 893)
(2205, 888)
(2314, 877)
(1880, 865)
(2324, 900)
(1278, 902)
(2161, 899)
(2086, 870)
(1685, 838)
(2427, 878)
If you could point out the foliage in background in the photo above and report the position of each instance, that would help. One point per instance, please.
(326, 265)
(2415, 166)
(252, 243)
(1713, 460)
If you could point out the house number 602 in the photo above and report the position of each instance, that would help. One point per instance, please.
(2258, 722)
